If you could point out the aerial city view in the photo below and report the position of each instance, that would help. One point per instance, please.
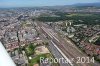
(49, 32)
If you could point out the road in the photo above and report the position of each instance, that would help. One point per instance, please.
(68, 49)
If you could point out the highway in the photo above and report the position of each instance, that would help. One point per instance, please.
(66, 48)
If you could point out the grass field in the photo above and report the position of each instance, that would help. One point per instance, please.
(37, 58)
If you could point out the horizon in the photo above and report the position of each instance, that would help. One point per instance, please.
(37, 3)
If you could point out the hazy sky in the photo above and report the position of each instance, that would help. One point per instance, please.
(32, 3)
